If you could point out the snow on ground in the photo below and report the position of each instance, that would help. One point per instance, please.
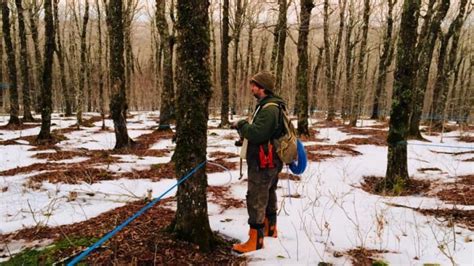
(324, 214)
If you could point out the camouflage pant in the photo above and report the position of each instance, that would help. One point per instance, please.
(261, 193)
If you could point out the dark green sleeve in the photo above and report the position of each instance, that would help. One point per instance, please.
(263, 127)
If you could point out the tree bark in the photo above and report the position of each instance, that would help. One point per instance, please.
(468, 101)
(302, 68)
(446, 67)
(194, 92)
(82, 71)
(262, 63)
(167, 94)
(14, 105)
(349, 47)
(33, 11)
(99, 64)
(428, 36)
(25, 77)
(225, 65)
(397, 169)
(129, 11)
(327, 68)
(314, 83)
(62, 66)
(281, 31)
(46, 88)
(358, 98)
(2, 85)
(238, 24)
(384, 63)
(118, 103)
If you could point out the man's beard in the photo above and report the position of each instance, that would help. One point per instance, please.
(256, 96)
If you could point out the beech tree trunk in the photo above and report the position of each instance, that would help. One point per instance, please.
(167, 107)
(11, 61)
(33, 11)
(25, 77)
(327, 68)
(46, 88)
(118, 103)
(397, 169)
(302, 68)
(359, 90)
(349, 48)
(384, 63)
(446, 67)
(428, 36)
(99, 64)
(280, 56)
(193, 96)
(238, 24)
(225, 65)
(61, 61)
(82, 71)
(314, 83)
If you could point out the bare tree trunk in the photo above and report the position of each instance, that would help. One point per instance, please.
(335, 57)
(302, 68)
(281, 30)
(446, 66)
(62, 67)
(82, 71)
(118, 103)
(458, 106)
(349, 47)
(167, 94)
(194, 82)
(46, 89)
(331, 67)
(384, 63)
(314, 84)
(458, 70)
(428, 36)
(72, 63)
(262, 65)
(327, 68)
(99, 64)
(238, 24)
(2, 85)
(14, 105)
(25, 78)
(225, 65)
(33, 11)
(90, 102)
(397, 169)
(468, 101)
(214, 51)
(250, 66)
(360, 67)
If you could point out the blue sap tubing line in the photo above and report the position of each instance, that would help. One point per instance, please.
(97, 244)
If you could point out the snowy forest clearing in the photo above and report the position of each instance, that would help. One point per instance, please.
(325, 215)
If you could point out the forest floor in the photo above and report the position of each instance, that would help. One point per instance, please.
(58, 199)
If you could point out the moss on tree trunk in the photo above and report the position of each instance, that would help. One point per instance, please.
(193, 95)
(397, 170)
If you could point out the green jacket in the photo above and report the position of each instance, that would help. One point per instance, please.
(267, 125)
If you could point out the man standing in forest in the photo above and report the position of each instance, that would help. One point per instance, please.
(263, 163)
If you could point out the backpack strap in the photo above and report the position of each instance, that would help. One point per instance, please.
(282, 124)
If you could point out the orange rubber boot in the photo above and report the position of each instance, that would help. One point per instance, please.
(255, 242)
(270, 227)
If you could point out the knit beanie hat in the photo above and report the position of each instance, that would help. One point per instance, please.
(265, 80)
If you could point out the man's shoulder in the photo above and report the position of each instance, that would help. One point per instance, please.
(273, 101)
